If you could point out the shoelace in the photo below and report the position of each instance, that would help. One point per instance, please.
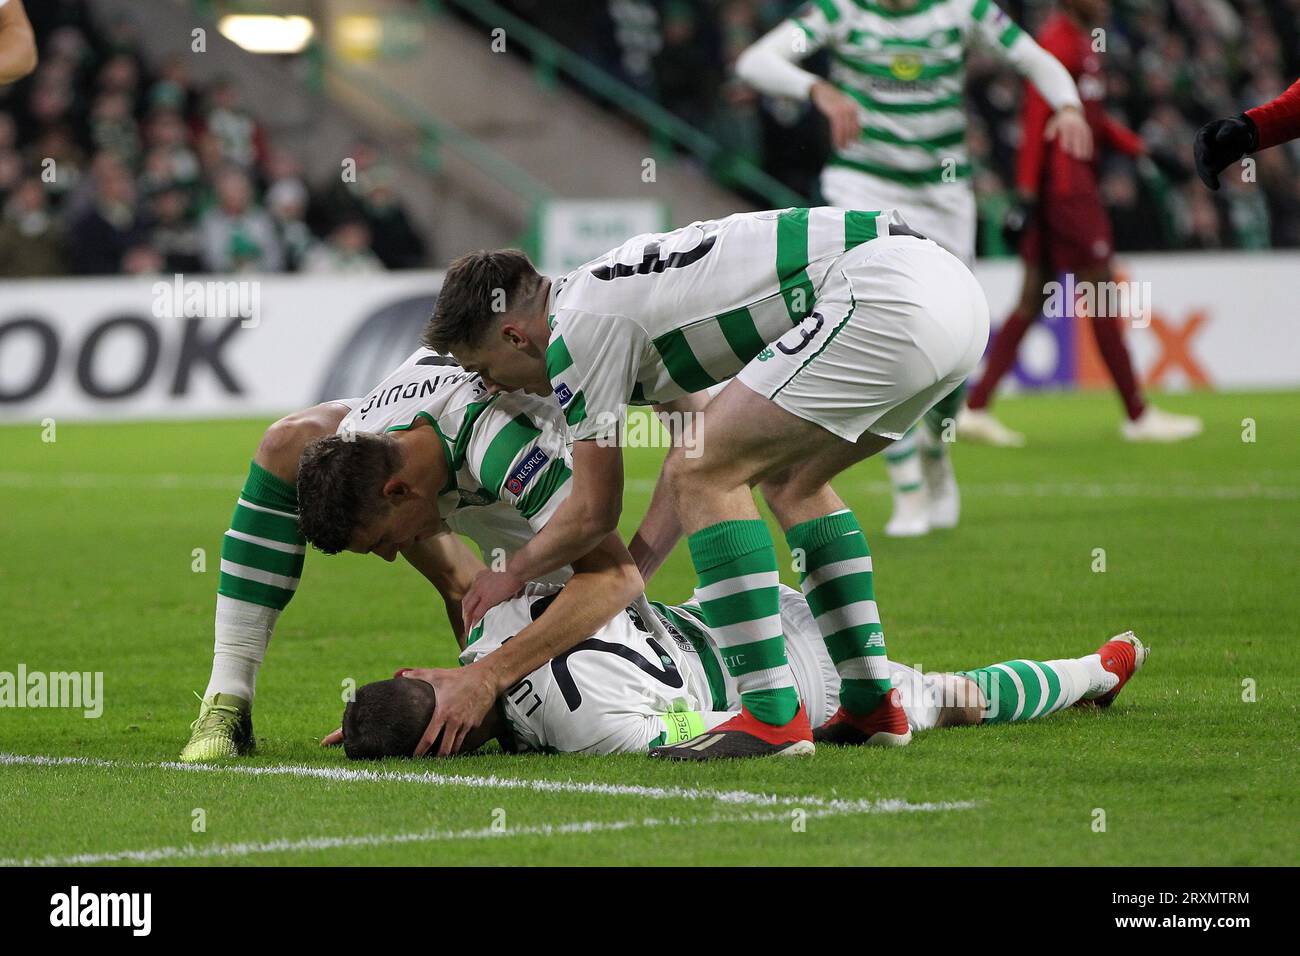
(215, 716)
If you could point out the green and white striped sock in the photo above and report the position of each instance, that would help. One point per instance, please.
(740, 601)
(903, 463)
(837, 580)
(261, 563)
(944, 410)
(1025, 690)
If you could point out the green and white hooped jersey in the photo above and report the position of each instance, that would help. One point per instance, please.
(906, 69)
(654, 675)
(630, 686)
(507, 455)
(668, 314)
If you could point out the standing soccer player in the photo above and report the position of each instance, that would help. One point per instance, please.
(841, 329)
(1063, 227)
(894, 104)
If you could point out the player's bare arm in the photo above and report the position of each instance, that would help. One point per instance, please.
(771, 66)
(17, 43)
(509, 350)
(449, 564)
(604, 578)
(660, 529)
(840, 112)
(1054, 84)
(585, 519)
(1068, 125)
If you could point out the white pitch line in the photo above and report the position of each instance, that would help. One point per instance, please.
(1153, 490)
(226, 850)
(477, 781)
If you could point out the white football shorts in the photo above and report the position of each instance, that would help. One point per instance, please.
(898, 323)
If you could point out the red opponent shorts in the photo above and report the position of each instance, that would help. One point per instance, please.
(1068, 234)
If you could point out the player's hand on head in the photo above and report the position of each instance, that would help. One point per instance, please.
(1073, 132)
(489, 589)
(840, 111)
(462, 700)
(1221, 142)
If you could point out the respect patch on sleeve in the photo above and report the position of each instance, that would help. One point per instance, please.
(529, 467)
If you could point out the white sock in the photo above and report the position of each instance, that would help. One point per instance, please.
(903, 463)
(243, 631)
(1100, 680)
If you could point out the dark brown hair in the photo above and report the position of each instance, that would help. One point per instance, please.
(478, 287)
(387, 719)
(340, 485)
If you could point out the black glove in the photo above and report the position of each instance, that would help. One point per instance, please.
(1219, 143)
(1016, 220)
(1173, 166)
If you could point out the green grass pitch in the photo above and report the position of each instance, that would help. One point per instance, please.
(97, 540)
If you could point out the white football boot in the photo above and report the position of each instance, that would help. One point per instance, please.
(1160, 426)
(980, 426)
(911, 517)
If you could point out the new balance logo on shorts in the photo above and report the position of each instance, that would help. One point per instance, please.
(524, 473)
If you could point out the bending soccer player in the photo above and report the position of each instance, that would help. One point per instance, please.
(898, 129)
(653, 676)
(841, 328)
(428, 453)
(1062, 227)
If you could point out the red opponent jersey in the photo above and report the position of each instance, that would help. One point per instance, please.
(1279, 120)
(1042, 166)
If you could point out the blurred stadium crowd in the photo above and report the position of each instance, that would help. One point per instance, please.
(1171, 66)
(107, 167)
(154, 173)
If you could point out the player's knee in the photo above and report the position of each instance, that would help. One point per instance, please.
(683, 472)
(777, 493)
(282, 443)
(790, 491)
(963, 704)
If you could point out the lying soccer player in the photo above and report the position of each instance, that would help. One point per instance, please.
(653, 678)
(427, 453)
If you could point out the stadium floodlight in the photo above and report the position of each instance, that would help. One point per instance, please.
(266, 33)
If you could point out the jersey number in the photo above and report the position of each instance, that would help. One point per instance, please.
(650, 261)
(806, 335)
(668, 674)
